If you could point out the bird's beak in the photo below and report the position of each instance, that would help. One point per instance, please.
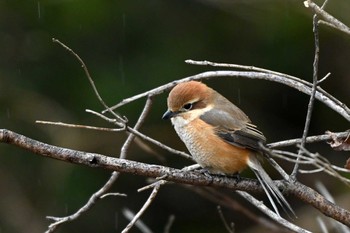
(168, 114)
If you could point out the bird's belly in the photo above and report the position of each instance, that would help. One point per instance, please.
(210, 151)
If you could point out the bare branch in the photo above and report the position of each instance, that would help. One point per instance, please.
(120, 121)
(137, 126)
(165, 175)
(78, 126)
(322, 225)
(113, 194)
(296, 83)
(299, 190)
(230, 228)
(139, 224)
(169, 223)
(157, 143)
(249, 68)
(325, 192)
(258, 69)
(327, 17)
(316, 160)
(313, 93)
(103, 191)
(129, 129)
(311, 139)
(89, 204)
(323, 79)
(227, 201)
(322, 162)
(143, 209)
(270, 213)
(161, 181)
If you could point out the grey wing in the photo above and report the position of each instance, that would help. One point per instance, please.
(247, 137)
(238, 132)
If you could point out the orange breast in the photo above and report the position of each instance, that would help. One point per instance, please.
(212, 152)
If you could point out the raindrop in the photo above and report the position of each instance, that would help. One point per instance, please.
(239, 96)
(121, 68)
(8, 113)
(39, 10)
(285, 100)
(124, 20)
(123, 30)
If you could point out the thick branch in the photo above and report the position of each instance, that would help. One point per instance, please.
(124, 165)
(299, 190)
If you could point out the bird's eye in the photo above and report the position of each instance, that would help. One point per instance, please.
(188, 106)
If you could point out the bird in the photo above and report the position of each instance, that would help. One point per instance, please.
(219, 135)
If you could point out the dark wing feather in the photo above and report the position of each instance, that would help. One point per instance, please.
(238, 132)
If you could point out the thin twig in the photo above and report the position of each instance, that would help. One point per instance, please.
(129, 129)
(327, 17)
(161, 145)
(272, 214)
(323, 79)
(324, 4)
(278, 168)
(128, 214)
(229, 202)
(89, 204)
(145, 137)
(137, 126)
(313, 93)
(113, 194)
(162, 181)
(253, 68)
(292, 157)
(249, 68)
(229, 228)
(169, 224)
(124, 150)
(78, 126)
(322, 162)
(322, 225)
(310, 139)
(143, 209)
(121, 120)
(321, 95)
(321, 169)
(316, 160)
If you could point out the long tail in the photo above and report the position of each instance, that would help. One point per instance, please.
(271, 190)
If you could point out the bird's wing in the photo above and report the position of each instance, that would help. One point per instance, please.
(239, 132)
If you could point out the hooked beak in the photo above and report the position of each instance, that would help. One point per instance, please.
(168, 114)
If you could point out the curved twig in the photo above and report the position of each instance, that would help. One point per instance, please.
(143, 209)
(297, 84)
(331, 21)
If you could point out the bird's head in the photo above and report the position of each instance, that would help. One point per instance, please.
(188, 99)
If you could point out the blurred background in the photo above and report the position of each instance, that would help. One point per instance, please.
(133, 46)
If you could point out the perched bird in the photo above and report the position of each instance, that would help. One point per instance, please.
(219, 135)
